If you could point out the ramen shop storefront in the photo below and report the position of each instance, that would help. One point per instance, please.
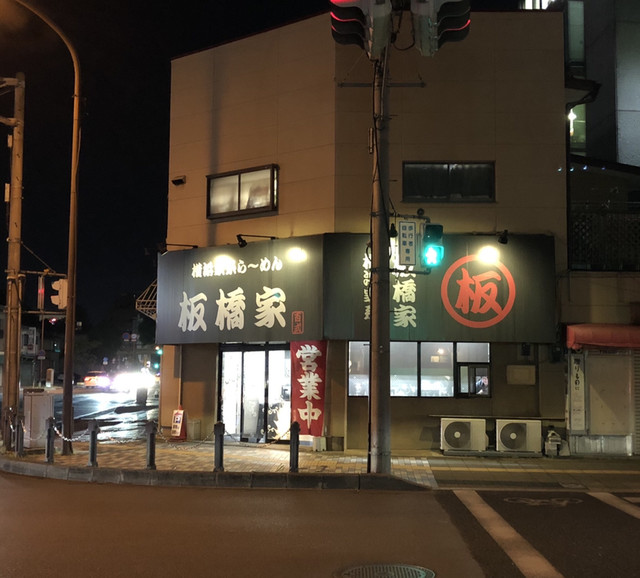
(270, 332)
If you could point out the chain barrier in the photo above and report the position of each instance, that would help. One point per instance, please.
(191, 447)
(76, 439)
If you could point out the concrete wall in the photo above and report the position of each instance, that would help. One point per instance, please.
(612, 48)
(261, 100)
(189, 376)
(496, 97)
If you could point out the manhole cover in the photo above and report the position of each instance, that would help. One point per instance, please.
(387, 571)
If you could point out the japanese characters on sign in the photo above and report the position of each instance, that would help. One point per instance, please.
(308, 372)
(577, 411)
(259, 292)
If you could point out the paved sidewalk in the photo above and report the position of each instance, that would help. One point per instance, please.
(251, 465)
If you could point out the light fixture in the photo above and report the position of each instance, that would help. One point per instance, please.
(179, 180)
(243, 243)
(393, 232)
(162, 247)
(503, 238)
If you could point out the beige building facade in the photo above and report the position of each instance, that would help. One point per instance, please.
(483, 121)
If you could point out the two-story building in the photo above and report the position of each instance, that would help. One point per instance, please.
(271, 172)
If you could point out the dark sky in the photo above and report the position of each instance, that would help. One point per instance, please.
(124, 47)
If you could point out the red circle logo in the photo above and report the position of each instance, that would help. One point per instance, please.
(480, 293)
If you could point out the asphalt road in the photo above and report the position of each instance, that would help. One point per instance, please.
(54, 529)
(119, 416)
(550, 534)
(66, 529)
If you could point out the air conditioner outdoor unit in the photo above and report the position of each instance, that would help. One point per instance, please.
(518, 435)
(458, 434)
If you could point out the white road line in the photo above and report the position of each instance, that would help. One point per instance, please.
(622, 505)
(528, 560)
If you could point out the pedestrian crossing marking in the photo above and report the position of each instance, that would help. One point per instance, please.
(619, 503)
(529, 561)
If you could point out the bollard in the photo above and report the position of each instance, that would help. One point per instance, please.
(151, 429)
(51, 436)
(19, 443)
(7, 426)
(93, 443)
(218, 435)
(294, 447)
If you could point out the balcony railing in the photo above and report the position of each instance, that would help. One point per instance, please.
(604, 236)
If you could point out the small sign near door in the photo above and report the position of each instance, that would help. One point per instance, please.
(177, 423)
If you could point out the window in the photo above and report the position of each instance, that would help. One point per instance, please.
(426, 369)
(247, 192)
(473, 369)
(448, 182)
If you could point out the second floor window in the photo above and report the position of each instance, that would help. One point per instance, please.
(245, 192)
(448, 182)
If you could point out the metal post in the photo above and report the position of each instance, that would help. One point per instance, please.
(11, 396)
(93, 443)
(19, 431)
(379, 391)
(51, 436)
(218, 436)
(294, 447)
(70, 323)
(151, 429)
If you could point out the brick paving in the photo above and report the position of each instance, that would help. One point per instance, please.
(430, 469)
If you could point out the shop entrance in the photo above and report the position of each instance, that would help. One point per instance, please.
(255, 393)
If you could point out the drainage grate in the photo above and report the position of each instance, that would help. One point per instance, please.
(387, 571)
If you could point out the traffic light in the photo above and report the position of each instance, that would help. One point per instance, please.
(432, 249)
(40, 306)
(60, 286)
(366, 23)
(438, 21)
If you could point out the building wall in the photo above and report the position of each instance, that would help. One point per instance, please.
(498, 96)
(612, 47)
(291, 96)
(265, 99)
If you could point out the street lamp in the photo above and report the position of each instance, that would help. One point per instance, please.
(70, 325)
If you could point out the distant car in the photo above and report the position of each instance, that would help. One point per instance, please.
(129, 381)
(97, 379)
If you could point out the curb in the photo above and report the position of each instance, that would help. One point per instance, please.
(246, 480)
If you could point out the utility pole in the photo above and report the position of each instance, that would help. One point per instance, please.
(379, 388)
(70, 323)
(12, 350)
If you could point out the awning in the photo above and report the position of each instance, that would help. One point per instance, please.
(603, 335)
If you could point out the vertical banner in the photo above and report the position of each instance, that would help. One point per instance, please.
(308, 373)
(577, 399)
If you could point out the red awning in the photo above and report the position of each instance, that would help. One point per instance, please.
(603, 335)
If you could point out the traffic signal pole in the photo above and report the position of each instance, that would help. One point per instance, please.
(379, 382)
(11, 377)
(70, 322)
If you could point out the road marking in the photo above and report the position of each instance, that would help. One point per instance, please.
(555, 502)
(513, 469)
(622, 505)
(528, 560)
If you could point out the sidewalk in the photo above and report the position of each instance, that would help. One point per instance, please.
(252, 465)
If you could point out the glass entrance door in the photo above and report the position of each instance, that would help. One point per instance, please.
(255, 392)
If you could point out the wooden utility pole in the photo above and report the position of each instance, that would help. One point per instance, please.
(12, 348)
(379, 388)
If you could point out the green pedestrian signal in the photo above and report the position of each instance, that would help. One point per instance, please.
(432, 248)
